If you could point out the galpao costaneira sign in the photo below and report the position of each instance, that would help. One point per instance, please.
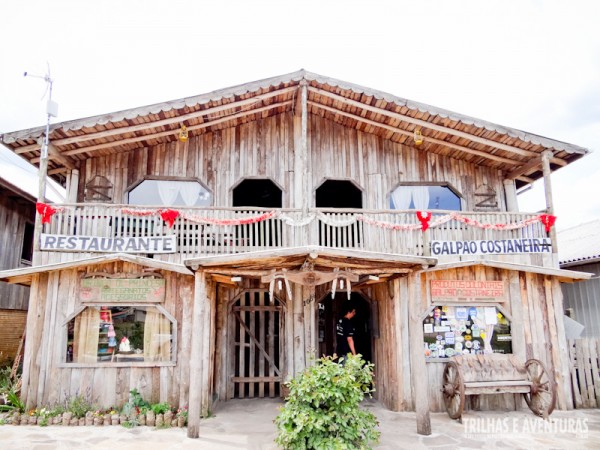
(126, 290)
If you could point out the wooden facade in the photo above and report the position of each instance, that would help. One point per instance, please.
(239, 333)
(17, 214)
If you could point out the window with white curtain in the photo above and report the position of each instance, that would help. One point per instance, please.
(424, 197)
(170, 193)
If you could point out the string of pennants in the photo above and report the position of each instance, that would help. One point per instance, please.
(424, 217)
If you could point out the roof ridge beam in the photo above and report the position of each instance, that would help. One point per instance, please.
(424, 123)
(146, 125)
(408, 133)
(168, 133)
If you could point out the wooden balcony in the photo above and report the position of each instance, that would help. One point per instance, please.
(214, 231)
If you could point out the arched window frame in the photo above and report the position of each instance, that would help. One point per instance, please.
(164, 178)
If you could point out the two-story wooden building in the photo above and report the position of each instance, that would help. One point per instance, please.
(210, 244)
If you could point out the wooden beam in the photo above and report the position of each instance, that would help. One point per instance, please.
(57, 170)
(408, 133)
(535, 163)
(169, 133)
(159, 123)
(55, 154)
(424, 123)
(525, 179)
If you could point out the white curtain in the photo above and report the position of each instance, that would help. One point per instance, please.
(167, 191)
(157, 337)
(87, 336)
(420, 196)
(401, 197)
(190, 191)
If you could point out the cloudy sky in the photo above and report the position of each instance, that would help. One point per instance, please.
(532, 65)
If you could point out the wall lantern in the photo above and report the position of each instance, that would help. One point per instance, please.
(183, 134)
(418, 137)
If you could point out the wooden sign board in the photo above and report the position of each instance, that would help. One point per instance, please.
(463, 290)
(122, 290)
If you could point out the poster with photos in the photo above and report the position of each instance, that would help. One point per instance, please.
(451, 330)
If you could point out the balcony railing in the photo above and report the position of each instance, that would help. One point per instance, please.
(211, 231)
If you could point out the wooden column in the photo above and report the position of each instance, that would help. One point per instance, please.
(510, 193)
(73, 186)
(304, 148)
(546, 156)
(299, 341)
(199, 355)
(417, 358)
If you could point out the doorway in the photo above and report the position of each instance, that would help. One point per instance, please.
(256, 343)
(330, 311)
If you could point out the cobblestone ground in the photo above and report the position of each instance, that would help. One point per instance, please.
(248, 424)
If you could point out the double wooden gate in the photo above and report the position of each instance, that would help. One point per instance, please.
(256, 342)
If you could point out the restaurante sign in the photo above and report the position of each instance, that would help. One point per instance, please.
(156, 244)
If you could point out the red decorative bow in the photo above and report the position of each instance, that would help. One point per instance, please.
(424, 217)
(548, 221)
(46, 211)
(169, 216)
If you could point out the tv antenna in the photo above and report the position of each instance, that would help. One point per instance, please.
(51, 108)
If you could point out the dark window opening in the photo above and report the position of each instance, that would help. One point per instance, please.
(338, 194)
(258, 193)
(27, 250)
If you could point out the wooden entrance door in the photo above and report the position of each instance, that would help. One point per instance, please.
(256, 333)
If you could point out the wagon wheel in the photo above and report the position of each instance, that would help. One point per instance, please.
(453, 390)
(542, 397)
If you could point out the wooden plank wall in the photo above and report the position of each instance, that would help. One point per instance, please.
(56, 299)
(265, 148)
(584, 355)
(391, 348)
(14, 214)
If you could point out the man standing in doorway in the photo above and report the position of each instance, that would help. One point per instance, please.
(345, 333)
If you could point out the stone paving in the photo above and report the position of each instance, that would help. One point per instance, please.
(248, 424)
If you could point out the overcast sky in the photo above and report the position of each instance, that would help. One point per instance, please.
(531, 65)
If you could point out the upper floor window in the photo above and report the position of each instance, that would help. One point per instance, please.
(425, 197)
(170, 193)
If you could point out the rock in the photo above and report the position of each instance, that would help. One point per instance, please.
(66, 418)
(107, 419)
(150, 419)
(160, 420)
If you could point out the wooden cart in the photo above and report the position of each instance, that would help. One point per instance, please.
(497, 374)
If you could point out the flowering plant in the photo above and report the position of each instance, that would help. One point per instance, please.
(182, 412)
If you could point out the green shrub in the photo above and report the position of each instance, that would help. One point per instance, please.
(160, 408)
(78, 405)
(13, 403)
(322, 410)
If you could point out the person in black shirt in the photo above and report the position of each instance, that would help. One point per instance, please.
(345, 334)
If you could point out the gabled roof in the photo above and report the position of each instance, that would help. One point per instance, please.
(515, 152)
(24, 275)
(580, 244)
